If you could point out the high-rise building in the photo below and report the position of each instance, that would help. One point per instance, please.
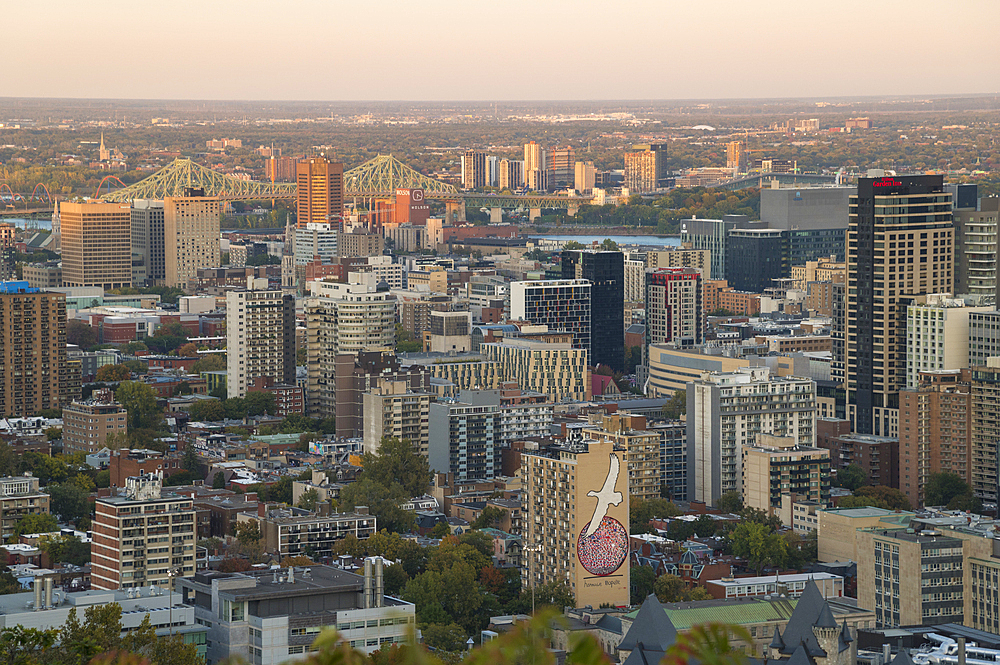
(142, 535)
(511, 174)
(726, 409)
(976, 247)
(900, 245)
(393, 409)
(712, 234)
(815, 219)
(87, 424)
(736, 158)
(465, 439)
(35, 375)
(985, 430)
(536, 167)
(320, 191)
(96, 244)
(344, 319)
(360, 243)
(260, 337)
(561, 167)
(641, 448)
(190, 235)
(937, 335)
(584, 176)
(673, 305)
(314, 240)
(147, 238)
(473, 169)
(646, 168)
(756, 257)
(935, 430)
(776, 465)
(355, 375)
(606, 273)
(560, 304)
(566, 490)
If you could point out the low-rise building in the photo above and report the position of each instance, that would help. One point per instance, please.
(20, 496)
(270, 617)
(290, 532)
(837, 533)
(776, 465)
(790, 586)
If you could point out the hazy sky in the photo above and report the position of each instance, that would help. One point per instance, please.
(496, 49)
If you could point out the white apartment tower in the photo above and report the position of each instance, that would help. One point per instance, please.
(260, 336)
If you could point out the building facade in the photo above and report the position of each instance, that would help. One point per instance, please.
(142, 536)
(559, 507)
(892, 220)
(260, 337)
(319, 192)
(724, 410)
(937, 335)
(465, 439)
(755, 258)
(20, 496)
(147, 238)
(775, 465)
(96, 240)
(674, 305)
(392, 409)
(560, 304)
(35, 372)
(606, 273)
(86, 425)
(190, 235)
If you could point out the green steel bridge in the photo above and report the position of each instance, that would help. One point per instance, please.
(379, 177)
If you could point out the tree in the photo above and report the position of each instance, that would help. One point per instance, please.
(132, 347)
(852, 477)
(53, 433)
(69, 500)
(609, 245)
(207, 410)
(643, 579)
(669, 588)
(189, 350)
(861, 501)
(113, 373)
(260, 402)
(190, 460)
(34, 523)
(247, 531)
(397, 461)
(641, 511)
(211, 362)
(139, 400)
(942, 487)
(66, 549)
(572, 244)
(676, 406)
(136, 366)
(890, 496)
(308, 499)
(235, 408)
(490, 517)
(756, 544)
(730, 502)
(180, 478)
(440, 530)
(219, 481)
(80, 334)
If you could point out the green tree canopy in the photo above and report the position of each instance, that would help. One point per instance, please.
(730, 502)
(942, 487)
(676, 406)
(757, 544)
(398, 462)
(139, 400)
(852, 477)
(35, 523)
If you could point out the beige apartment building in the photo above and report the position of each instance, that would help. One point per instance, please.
(86, 425)
(142, 536)
(96, 242)
(641, 448)
(260, 337)
(558, 511)
(684, 257)
(190, 235)
(776, 466)
(821, 270)
(838, 528)
(555, 369)
(392, 409)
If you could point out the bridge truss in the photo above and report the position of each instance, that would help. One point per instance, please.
(182, 173)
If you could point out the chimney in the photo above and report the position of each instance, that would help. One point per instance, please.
(38, 593)
(961, 650)
(380, 590)
(261, 509)
(886, 653)
(291, 574)
(368, 585)
(48, 592)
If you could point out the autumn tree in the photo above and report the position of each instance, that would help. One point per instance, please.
(113, 373)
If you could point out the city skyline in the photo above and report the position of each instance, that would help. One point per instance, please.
(792, 51)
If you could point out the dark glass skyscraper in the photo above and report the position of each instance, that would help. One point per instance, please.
(606, 273)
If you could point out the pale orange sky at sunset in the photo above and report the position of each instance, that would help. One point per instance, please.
(497, 49)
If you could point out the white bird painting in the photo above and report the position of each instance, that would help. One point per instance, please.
(607, 496)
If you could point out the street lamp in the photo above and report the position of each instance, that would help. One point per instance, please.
(171, 574)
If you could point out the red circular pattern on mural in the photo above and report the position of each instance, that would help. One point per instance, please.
(604, 551)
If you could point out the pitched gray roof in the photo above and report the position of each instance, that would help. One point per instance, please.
(826, 619)
(902, 658)
(776, 641)
(799, 656)
(652, 629)
(806, 615)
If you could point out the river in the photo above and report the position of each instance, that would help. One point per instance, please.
(43, 224)
(651, 241)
